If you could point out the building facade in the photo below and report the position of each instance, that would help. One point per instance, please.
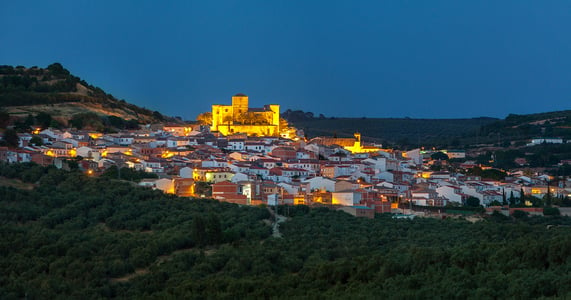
(240, 118)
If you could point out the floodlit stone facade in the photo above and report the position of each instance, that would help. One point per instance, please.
(240, 118)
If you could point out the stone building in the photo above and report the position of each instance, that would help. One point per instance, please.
(240, 118)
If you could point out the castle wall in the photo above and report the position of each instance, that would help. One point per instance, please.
(226, 117)
(252, 130)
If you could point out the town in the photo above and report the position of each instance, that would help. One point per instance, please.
(249, 156)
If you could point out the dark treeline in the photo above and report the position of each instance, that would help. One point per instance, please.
(86, 120)
(544, 155)
(401, 132)
(72, 236)
(446, 133)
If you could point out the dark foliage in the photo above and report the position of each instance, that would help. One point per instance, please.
(127, 174)
(10, 138)
(82, 238)
(404, 132)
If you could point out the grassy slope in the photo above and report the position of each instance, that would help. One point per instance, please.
(57, 92)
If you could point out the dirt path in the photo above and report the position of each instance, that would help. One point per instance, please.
(276, 225)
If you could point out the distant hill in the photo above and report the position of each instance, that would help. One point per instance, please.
(55, 91)
(402, 131)
(548, 124)
(443, 132)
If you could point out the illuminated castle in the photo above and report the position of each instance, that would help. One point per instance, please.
(239, 118)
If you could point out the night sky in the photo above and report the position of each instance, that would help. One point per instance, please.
(418, 59)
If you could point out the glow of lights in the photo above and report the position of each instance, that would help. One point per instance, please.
(50, 153)
(167, 154)
(73, 153)
(95, 135)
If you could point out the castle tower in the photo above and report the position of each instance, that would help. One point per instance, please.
(357, 145)
(275, 108)
(215, 117)
(239, 104)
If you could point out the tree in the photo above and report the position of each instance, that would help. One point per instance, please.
(439, 156)
(283, 123)
(55, 124)
(228, 120)
(551, 211)
(202, 188)
(504, 199)
(36, 140)
(158, 116)
(198, 231)
(58, 70)
(512, 198)
(214, 229)
(472, 202)
(204, 118)
(247, 118)
(4, 118)
(547, 198)
(44, 119)
(519, 214)
(11, 138)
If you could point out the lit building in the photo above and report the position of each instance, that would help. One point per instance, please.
(354, 145)
(240, 118)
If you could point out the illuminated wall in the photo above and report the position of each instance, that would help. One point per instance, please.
(226, 118)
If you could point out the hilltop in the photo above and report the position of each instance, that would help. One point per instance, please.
(55, 91)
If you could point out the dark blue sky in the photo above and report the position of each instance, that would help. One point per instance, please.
(421, 59)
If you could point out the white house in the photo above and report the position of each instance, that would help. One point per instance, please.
(450, 192)
(238, 177)
(539, 141)
(321, 183)
(346, 198)
(386, 176)
(237, 145)
(86, 152)
(185, 172)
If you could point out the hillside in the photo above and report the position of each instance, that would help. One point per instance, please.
(438, 132)
(66, 235)
(548, 124)
(402, 131)
(55, 91)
